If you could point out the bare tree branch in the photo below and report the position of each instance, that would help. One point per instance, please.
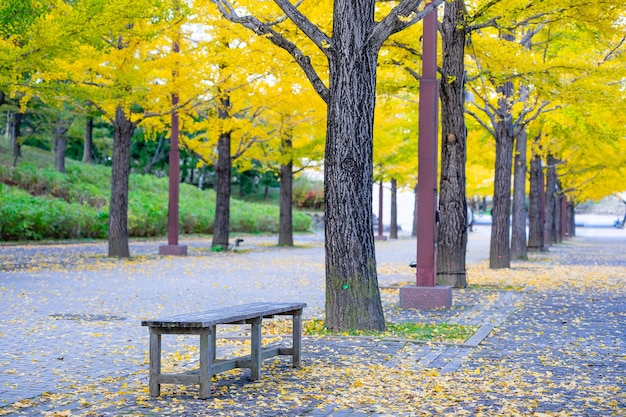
(525, 42)
(408, 69)
(482, 123)
(613, 52)
(401, 17)
(491, 23)
(540, 110)
(265, 30)
(312, 31)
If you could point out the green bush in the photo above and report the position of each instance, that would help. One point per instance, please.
(308, 194)
(37, 202)
(27, 217)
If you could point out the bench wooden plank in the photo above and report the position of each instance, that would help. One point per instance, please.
(230, 315)
(204, 324)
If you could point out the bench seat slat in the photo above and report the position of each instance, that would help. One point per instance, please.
(232, 315)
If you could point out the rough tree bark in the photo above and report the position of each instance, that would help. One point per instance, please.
(452, 232)
(499, 252)
(88, 144)
(393, 225)
(285, 226)
(518, 227)
(221, 226)
(352, 295)
(535, 209)
(123, 130)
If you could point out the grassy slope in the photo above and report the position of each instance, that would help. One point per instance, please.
(39, 203)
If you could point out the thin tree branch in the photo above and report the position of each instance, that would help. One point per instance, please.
(318, 37)
(489, 129)
(265, 30)
(402, 16)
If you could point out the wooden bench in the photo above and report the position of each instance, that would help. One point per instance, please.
(205, 324)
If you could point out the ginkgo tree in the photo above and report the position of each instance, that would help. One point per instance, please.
(253, 113)
(117, 57)
(344, 38)
(298, 144)
(24, 48)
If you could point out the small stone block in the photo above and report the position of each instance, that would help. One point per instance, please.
(380, 237)
(173, 250)
(426, 298)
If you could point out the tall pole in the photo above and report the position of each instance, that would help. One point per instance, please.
(427, 157)
(426, 294)
(380, 235)
(172, 247)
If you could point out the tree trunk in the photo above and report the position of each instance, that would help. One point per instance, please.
(535, 209)
(221, 228)
(59, 140)
(120, 171)
(352, 294)
(14, 131)
(499, 252)
(557, 219)
(88, 145)
(563, 217)
(518, 228)
(571, 217)
(285, 227)
(452, 233)
(550, 201)
(393, 225)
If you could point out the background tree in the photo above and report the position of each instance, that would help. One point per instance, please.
(517, 107)
(118, 66)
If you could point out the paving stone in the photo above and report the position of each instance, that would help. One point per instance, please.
(68, 324)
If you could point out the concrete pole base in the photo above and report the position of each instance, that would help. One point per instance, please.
(173, 250)
(426, 298)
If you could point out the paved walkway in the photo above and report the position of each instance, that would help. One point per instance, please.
(70, 333)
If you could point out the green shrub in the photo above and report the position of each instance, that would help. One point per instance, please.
(37, 202)
(308, 194)
(27, 217)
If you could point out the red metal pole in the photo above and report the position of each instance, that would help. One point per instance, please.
(174, 181)
(174, 177)
(380, 210)
(427, 156)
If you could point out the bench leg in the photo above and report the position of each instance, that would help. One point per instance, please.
(255, 350)
(155, 363)
(297, 339)
(207, 354)
(213, 343)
